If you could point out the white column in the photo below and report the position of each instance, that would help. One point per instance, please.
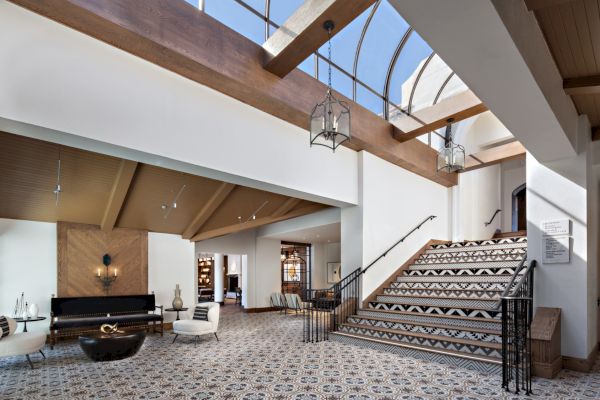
(218, 277)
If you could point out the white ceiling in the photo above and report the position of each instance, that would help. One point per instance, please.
(319, 234)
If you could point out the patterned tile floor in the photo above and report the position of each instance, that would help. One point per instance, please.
(260, 356)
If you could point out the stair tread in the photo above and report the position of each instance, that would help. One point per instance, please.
(474, 357)
(497, 346)
(432, 325)
(433, 315)
(449, 290)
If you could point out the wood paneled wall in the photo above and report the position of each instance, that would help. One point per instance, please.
(80, 251)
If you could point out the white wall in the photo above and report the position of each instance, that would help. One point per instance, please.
(323, 253)
(513, 176)
(267, 275)
(64, 80)
(27, 264)
(572, 286)
(393, 202)
(478, 199)
(171, 261)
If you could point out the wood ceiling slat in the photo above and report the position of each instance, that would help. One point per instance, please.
(573, 38)
(582, 27)
(545, 20)
(592, 11)
(556, 18)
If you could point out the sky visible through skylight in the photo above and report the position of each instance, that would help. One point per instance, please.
(364, 82)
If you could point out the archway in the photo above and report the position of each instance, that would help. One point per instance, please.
(519, 209)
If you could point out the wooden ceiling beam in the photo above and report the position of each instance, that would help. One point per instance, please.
(208, 209)
(495, 155)
(458, 107)
(302, 33)
(582, 85)
(286, 207)
(534, 5)
(256, 223)
(160, 31)
(118, 193)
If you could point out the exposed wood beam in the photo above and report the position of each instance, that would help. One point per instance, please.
(494, 155)
(595, 133)
(226, 230)
(286, 207)
(582, 85)
(160, 31)
(533, 5)
(208, 209)
(303, 33)
(457, 107)
(118, 193)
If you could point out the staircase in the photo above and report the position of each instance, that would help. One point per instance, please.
(443, 306)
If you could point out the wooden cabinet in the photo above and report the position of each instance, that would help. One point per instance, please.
(205, 272)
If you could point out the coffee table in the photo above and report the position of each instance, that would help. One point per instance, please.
(112, 346)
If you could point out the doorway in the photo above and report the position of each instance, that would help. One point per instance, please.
(519, 209)
(295, 268)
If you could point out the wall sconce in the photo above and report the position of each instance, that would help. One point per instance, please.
(106, 280)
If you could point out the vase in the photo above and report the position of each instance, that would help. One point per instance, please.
(33, 310)
(177, 302)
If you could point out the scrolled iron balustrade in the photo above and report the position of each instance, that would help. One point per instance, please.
(327, 308)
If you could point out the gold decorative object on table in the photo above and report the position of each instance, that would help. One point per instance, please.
(107, 328)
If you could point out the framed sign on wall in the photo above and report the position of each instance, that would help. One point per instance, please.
(334, 272)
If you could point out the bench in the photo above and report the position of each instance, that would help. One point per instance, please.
(71, 316)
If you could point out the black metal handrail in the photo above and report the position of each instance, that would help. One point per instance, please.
(326, 308)
(507, 290)
(517, 316)
(492, 219)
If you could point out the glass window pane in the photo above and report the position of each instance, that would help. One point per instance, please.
(343, 44)
(411, 60)
(432, 79)
(454, 86)
(258, 5)
(340, 82)
(367, 99)
(282, 9)
(308, 65)
(238, 18)
(385, 32)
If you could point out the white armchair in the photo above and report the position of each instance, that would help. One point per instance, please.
(194, 327)
(24, 343)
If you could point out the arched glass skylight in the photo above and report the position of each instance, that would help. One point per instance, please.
(378, 60)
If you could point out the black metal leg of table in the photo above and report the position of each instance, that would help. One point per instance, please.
(177, 319)
(25, 327)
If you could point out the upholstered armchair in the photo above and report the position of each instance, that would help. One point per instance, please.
(294, 302)
(21, 344)
(193, 327)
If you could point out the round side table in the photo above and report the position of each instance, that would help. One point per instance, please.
(26, 320)
(177, 311)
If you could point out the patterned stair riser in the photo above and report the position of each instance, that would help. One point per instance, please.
(479, 286)
(461, 272)
(458, 294)
(475, 257)
(479, 243)
(458, 279)
(454, 303)
(458, 312)
(458, 266)
(457, 362)
(431, 319)
(475, 248)
(428, 330)
(481, 350)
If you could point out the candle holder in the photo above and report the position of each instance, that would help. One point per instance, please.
(106, 279)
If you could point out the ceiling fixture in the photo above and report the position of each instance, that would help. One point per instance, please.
(451, 157)
(330, 119)
(253, 215)
(57, 189)
(170, 207)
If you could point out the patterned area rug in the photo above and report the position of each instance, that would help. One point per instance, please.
(261, 356)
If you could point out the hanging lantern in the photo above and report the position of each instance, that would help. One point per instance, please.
(330, 119)
(451, 157)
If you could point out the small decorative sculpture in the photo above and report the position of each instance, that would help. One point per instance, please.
(177, 302)
(107, 328)
(33, 310)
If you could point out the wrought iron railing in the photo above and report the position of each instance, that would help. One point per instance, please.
(492, 219)
(326, 309)
(517, 315)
